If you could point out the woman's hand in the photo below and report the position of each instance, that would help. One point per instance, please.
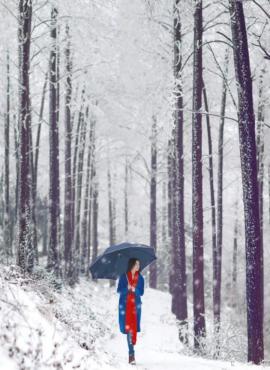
(130, 287)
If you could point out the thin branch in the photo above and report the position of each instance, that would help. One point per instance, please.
(265, 12)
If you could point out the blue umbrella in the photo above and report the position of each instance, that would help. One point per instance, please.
(114, 260)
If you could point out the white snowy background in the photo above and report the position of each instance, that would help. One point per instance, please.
(122, 52)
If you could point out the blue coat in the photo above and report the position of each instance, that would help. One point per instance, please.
(123, 290)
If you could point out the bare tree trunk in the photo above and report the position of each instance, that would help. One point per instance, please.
(211, 173)
(90, 222)
(197, 194)
(77, 251)
(110, 208)
(53, 253)
(90, 201)
(254, 271)
(95, 211)
(170, 209)
(217, 263)
(17, 150)
(45, 229)
(68, 234)
(33, 210)
(179, 288)
(2, 204)
(269, 189)
(235, 251)
(260, 166)
(35, 160)
(111, 215)
(87, 204)
(126, 199)
(7, 229)
(25, 253)
(2, 200)
(74, 168)
(164, 214)
(165, 242)
(212, 191)
(38, 133)
(153, 215)
(13, 212)
(59, 228)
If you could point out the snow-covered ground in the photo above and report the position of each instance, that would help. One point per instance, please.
(78, 329)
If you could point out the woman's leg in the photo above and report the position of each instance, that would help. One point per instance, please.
(130, 345)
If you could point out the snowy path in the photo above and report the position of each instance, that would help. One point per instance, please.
(157, 346)
(78, 329)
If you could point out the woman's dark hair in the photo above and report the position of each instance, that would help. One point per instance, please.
(131, 263)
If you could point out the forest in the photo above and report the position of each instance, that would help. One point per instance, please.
(142, 121)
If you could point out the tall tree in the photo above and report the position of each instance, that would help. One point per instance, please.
(77, 237)
(179, 288)
(7, 229)
(126, 198)
(87, 204)
(260, 161)
(68, 234)
(153, 195)
(170, 205)
(90, 228)
(95, 209)
(111, 212)
(38, 136)
(16, 130)
(211, 187)
(254, 271)
(54, 191)
(197, 194)
(110, 207)
(75, 159)
(217, 257)
(234, 267)
(25, 253)
(33, 209)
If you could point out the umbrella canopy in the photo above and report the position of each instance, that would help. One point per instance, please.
(114, 260)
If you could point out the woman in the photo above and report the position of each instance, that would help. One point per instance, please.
(131, 288)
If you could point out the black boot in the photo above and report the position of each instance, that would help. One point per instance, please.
(131, 359)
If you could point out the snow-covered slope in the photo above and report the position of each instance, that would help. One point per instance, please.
(78, 329)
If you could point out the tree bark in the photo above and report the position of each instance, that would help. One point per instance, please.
(25, 253)
(234, 269)
(153, 215)
(54, 206)
(179, 288)
(38, 133)
(254, 272)
(16, 130)
(68, 234)
(95, 211)
(217, 263)
(7, 229)
(77, 237)
(111, 215)
(74, 167)
(260, 166)
(197, 194)
(170, 209)
(87, 203)
(33, 200)
(212, 190)
(126, 199)
(90, 200)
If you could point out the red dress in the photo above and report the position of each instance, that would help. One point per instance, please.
(131, 313)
